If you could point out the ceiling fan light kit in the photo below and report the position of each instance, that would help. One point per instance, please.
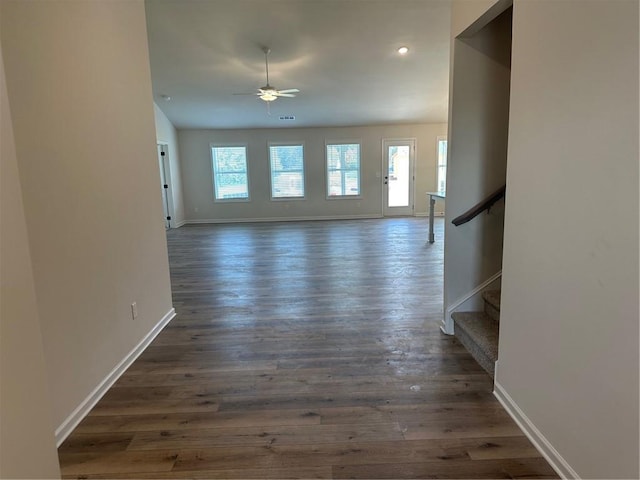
(268, 95)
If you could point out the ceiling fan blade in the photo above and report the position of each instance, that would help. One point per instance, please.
(256, 93)
(290, 90)
(280, 94)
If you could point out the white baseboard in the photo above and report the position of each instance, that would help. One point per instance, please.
(447, 329)
(281, 219)
(447, 322)
(426, 214)
(179, 224)
(81, 411)
(536, 437)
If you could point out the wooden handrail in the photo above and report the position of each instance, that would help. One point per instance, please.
(480, 207)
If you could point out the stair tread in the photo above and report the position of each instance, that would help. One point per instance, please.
(492, 297)
(481, 329)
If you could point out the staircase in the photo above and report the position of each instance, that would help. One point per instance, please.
(478, 331)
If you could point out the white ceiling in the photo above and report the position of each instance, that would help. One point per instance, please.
(341, 54)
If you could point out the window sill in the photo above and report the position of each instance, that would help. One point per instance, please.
(344, 197)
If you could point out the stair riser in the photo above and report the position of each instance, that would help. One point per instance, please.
(492, 311)
(479, 356)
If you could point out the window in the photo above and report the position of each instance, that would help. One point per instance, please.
(343, 169)
(287, 170)
(230, 177)
(442, 164)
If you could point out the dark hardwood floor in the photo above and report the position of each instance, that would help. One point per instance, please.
(303, 350)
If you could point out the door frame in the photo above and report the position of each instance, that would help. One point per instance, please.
(413, 145)
(164, 167)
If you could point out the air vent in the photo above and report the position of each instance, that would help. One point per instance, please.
(287, 117)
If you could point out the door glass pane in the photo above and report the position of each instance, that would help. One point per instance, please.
(398, 174)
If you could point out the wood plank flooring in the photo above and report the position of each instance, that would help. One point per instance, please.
(303, 350)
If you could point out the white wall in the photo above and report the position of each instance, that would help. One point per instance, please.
(478, 126)
(81, 103)
(197, 174)
(167, 134)
(27, 444)
(568, 354)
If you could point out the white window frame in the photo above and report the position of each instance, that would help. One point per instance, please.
(304, 176)
(214, 172)
(326, 168)
(439, 139)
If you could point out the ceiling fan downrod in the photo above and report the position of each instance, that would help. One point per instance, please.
(266, 51)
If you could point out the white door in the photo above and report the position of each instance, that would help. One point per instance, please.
(398, 177)
(162, 157)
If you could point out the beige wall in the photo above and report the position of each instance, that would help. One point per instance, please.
(569, 329)
(167, 134)
(197, 175)
(27, 444)
(80, 92)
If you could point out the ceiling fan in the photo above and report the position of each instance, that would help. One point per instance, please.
(269, 93)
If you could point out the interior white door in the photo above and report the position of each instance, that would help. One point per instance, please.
(162, 155)
(398, 177)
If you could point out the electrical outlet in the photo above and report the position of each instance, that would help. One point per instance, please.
(134, 310)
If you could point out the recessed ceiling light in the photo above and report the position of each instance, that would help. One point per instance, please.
(403, 50)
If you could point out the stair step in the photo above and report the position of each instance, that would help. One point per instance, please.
(492, 303)
(479, 334)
